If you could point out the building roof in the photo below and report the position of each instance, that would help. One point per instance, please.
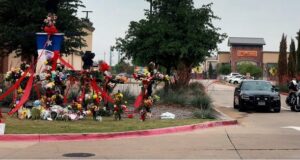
(245, 41)
(212, 58)
(223, 52)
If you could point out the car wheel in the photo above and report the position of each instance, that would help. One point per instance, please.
(235, 102)
(277, 110)
(295, 108)
(235, 82)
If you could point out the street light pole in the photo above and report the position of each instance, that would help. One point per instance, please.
(87, 14)
(110, 57)
(151, 4)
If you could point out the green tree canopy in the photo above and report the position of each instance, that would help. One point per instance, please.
(282, 61)
(210, 70)
(175, 35)
(292, 60)
(224, 69)
(245, 68)
(298, 53)
(123, 67)
(20, 20)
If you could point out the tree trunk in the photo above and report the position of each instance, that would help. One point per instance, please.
(184, 74)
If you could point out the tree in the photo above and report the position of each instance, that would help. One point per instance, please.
(254, 70)
(122, 67)
(210, 70)
(292, 60)
(224, 69)
(282, 61)
(298, 53)
(20, 20)
(176, 36)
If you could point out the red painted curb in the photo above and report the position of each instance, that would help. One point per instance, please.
(101, 136)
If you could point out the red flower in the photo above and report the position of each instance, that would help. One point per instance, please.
(104, 67)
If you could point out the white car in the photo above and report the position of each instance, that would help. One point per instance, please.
(237, 79)
(226, 78)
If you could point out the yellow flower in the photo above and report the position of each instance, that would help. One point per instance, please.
(94, 96)
(79, 106)
(20, 90)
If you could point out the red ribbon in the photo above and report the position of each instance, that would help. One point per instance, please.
(16, 85)
(138, 100)
(104, 94)
(1, 116)
(26, 94)
(66, 63)
(56, 57)
(54, 60)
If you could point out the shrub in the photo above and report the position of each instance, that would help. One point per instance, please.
(203, 114)
(201, 102)
(172, 96)
(197, 88)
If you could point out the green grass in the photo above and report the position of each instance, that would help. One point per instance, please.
(16, 126)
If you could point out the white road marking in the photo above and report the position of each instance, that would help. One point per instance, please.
(292, 127)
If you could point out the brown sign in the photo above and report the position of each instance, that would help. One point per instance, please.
(247, 53)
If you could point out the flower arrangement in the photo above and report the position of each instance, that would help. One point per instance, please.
(145, 100)
(119, 106)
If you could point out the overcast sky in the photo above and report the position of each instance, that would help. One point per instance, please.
(267, 19)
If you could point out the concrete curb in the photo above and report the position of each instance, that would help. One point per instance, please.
(220, 115)
(103, 136)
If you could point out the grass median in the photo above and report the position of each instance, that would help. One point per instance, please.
(16, 126)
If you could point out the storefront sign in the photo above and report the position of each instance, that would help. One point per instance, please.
(247, 53)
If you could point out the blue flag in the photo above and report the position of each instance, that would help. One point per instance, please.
(46, 47)
(53, 44)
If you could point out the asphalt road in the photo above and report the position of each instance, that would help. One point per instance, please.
(258, 135)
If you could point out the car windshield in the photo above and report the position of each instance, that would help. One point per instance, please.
(257, 85)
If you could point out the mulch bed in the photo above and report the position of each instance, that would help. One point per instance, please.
(181, 112)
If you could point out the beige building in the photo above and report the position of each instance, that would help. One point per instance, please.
(7, 62)
(250, 50)
(74, 58)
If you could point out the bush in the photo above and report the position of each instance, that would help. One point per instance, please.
(201, 102)
(203, 114)
(172, 97)
(192, 95)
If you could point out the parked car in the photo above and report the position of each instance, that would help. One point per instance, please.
(256, 94)
(226, 78)
(237, 79)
